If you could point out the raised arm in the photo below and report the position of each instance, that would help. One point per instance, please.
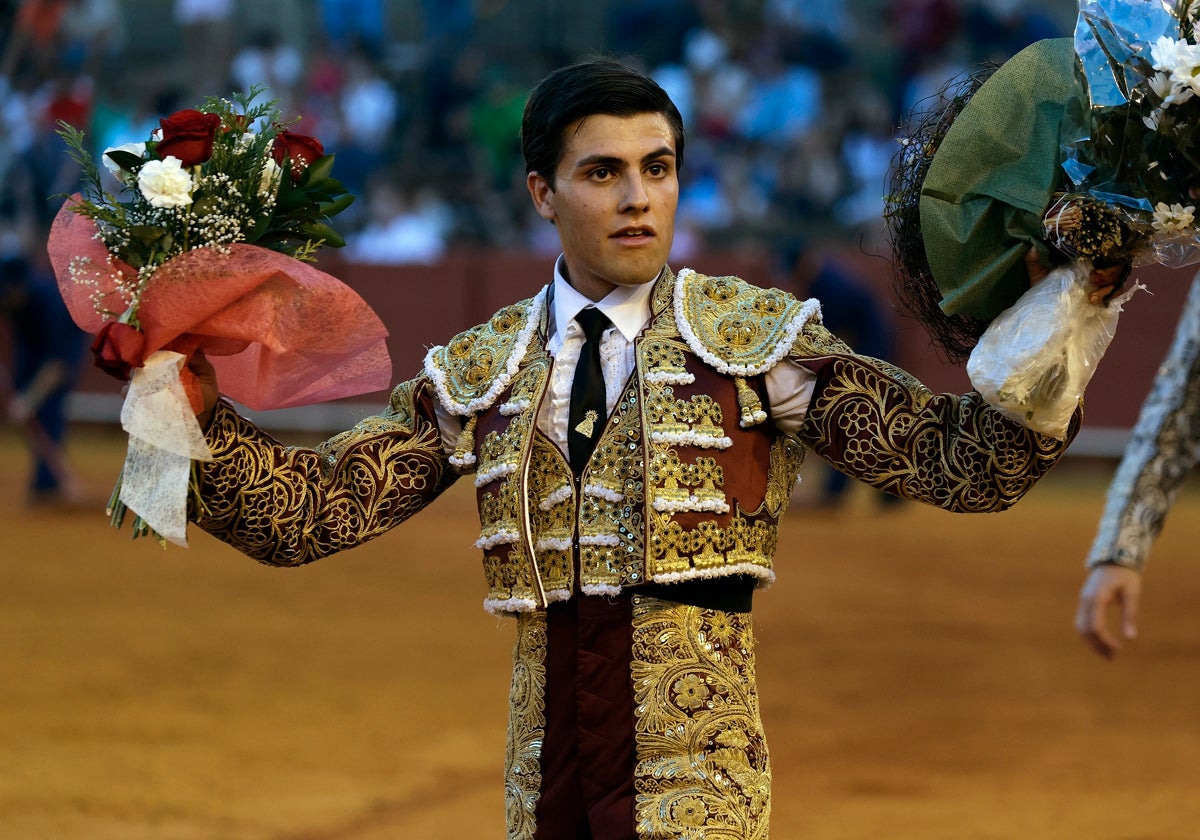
(879, 424)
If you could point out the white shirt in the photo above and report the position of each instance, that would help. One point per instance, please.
(789, 386)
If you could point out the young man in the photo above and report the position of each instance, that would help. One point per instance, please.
(633, 436)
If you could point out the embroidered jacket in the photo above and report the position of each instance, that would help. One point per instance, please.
(689, 478)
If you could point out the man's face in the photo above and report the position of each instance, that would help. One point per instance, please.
(616, 190)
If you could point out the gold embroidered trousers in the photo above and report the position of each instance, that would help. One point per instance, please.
(699, 767)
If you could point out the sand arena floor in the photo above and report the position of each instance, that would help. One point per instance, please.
(919, 672)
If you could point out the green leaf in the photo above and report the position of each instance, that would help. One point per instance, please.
(332, 208)
(317, 171)
(322, 231)
(126, 160)
(151, 236)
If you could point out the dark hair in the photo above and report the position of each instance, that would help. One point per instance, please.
(570, 94)
(912, 279)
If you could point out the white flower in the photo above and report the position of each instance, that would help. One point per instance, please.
(1161, 84)
(1152, 119)
(1181, 60)
(165, 183)
(270, 177)
(1173, 217)
(1164, 53)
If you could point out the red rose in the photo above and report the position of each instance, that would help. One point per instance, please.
(301, 149)
(118, 349)
(188, 135)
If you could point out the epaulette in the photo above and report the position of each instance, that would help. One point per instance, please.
(735, 327)
(472, 369)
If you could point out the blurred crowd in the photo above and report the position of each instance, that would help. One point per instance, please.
(791, 108)
(790, 105)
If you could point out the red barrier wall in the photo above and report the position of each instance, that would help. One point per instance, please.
(425, 305)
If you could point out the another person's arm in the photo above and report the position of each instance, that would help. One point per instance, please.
(1159, 456)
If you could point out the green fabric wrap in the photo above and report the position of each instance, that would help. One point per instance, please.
(992, 179)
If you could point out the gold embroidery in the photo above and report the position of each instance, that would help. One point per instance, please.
(471, 362)
(740, 324)
(553, 522)
(877, 424)
(587, 427)
(702, 764)
(286, 506)
(787, 456)
(665, 359)
(526, 727)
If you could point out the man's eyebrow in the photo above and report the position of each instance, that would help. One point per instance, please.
(616, 162)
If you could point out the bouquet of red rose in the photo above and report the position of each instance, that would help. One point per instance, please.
(208, 248)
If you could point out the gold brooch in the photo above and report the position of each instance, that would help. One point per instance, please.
(587, 427)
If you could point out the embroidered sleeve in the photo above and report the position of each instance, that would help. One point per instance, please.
(877, 423)
(286, 506)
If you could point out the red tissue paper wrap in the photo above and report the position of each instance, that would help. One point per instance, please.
(279, 332)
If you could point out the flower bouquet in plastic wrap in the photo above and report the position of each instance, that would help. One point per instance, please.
(208, 247)
(1086, 150)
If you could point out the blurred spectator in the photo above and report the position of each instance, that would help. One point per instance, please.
(47, 349)
(782, 102)
(654, 30)
(351, 25)
(208, 43)
(997, 29)
(93, 35)
(496, 126)
(368, 108)
(265, 60)
(34, 37)
(924, 30)
(403, 226)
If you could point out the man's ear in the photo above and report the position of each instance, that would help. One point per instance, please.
(541, 193)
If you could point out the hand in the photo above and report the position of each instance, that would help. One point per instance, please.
(1108, 281)
(206, 378)
(20, 411)
(1108, 585)
(1034, 268)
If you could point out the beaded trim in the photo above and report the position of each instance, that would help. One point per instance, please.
(692, 439)
(510, 409)
(556, 497)
(498, 471)
(668, 377)
(504, 536)
(765, 576)
(516, 354)
(691, 503)
(599, 491)
(554, 544)
(782, 345)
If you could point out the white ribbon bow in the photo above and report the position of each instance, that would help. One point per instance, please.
(164, 439)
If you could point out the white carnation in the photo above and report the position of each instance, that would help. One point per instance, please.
(165, 183)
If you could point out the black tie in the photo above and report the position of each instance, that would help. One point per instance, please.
(589, 406)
